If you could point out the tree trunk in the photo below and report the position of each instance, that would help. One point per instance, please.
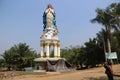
(109, 49)
(109, 46)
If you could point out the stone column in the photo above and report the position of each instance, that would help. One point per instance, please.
(42, 50)
(55, 50)
(47, 50)
(58, 50)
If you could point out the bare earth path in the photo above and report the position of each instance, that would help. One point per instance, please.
(89, 74)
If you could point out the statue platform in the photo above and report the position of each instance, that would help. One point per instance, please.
(45, 59)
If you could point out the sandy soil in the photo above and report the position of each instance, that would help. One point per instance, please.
(89, 74)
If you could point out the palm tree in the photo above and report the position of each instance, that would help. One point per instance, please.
(19, 56)
(101, 39)
(107, 21)
(110, 19)
(24, 55)
(8, 57)
(114, 10)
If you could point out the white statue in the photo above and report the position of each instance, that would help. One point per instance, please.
(50, 29)
(49, 16)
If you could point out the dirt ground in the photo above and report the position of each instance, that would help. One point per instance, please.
(88, 74)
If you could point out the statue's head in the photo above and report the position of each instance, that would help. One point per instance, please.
(49, 6)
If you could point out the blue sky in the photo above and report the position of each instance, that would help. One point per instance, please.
(21, 21)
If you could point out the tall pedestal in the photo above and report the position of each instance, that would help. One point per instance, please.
(45, 48)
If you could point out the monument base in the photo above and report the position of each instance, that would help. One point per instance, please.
(51, 64)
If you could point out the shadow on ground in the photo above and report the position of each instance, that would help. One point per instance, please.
(101, 78)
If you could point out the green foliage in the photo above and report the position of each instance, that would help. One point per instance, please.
(70, 54)
(93, 53)
(89, 55)
(109, 18)
(114, 10)
(2, 63)
(19, 56)
(116, 43)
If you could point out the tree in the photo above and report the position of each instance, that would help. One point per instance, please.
(89, 55)
(114, 10)
(8, 57)
(101, 39)
(19, 56)
(116, 43)
(106, 20)
(70, 54)
(110, 19)
(93, 54)
(81, 57)
(1, 63)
